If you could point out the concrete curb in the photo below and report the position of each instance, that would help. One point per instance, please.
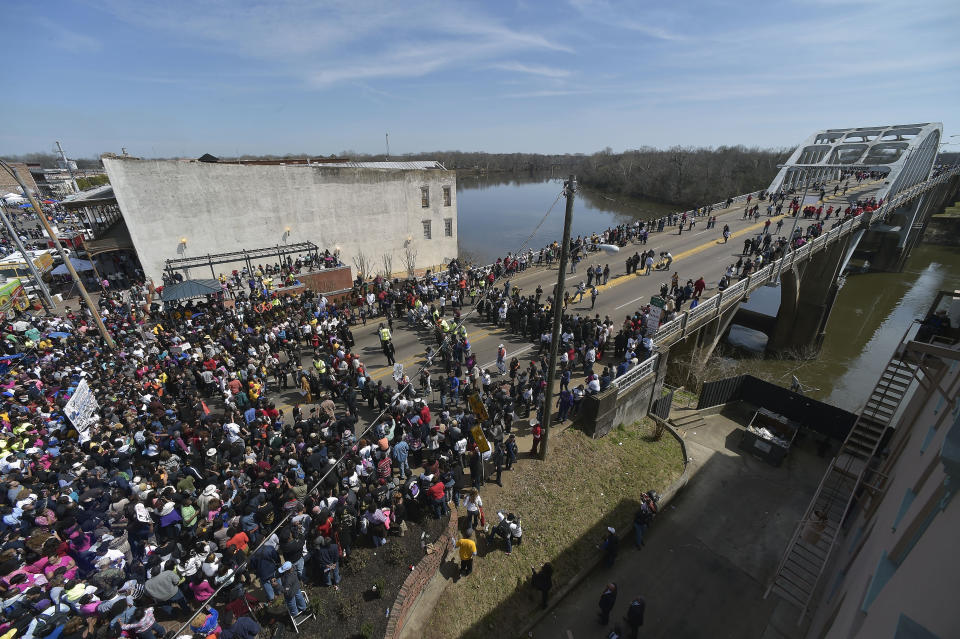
(575, 581)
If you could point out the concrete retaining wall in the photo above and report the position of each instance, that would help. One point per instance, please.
(603, 412)
(219, 208)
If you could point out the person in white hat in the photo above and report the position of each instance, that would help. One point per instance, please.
(610, 546)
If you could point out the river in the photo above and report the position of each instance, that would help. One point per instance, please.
(497, 213)
(871, 313)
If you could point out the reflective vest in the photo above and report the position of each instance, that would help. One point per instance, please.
(384, 334)
(320, 366)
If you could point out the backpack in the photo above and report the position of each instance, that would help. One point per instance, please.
(46, 624)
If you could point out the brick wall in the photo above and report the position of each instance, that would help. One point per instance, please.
(417, 580)
(9, 185)
(329, 279)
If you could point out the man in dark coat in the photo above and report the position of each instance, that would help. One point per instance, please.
(607, 600)
(635, 615)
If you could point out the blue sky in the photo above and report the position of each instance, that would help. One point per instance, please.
(180, 78)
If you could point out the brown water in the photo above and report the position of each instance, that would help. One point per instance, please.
(870, 316)
(496, 213)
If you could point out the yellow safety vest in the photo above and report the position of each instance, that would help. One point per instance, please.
(320, 366)
(384, 334)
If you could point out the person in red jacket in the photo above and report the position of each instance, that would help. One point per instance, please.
(437, 495)
(537, 431)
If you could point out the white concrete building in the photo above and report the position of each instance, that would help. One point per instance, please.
(175, 209)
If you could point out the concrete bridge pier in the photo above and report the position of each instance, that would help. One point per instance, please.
(689, 356)
(806, 298)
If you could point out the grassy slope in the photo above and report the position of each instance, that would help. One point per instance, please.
(565, 504)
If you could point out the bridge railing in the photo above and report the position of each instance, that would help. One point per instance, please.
(671, 332)
(734, 293)
(638, 372)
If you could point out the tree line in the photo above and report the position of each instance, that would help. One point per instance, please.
(680, 175)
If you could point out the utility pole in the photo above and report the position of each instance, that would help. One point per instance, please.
(568, 190)
(44, 293)
(66, 258)
(66, 164)
(388, 145)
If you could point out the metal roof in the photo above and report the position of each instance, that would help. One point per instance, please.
(412, 165)
(104, 192)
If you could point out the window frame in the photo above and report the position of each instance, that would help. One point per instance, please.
(425, 197)
(427, 229)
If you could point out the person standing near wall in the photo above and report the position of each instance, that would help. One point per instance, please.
(467, 550)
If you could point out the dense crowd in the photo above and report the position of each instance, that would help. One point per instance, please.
(190, 488)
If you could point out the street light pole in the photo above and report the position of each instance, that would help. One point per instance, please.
(796, 219)
(66, 258)
(568, 190)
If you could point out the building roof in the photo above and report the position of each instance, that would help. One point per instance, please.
(412, 165)
(104, 192)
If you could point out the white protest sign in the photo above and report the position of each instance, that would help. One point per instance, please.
(81, 408)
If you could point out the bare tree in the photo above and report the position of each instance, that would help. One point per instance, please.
(410, 257)
(362, 263)
(387, 261)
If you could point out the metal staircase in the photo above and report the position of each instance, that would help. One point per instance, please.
(809, 549)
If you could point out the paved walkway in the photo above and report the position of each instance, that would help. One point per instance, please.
(709, 555)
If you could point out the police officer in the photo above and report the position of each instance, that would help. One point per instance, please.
(386, 343)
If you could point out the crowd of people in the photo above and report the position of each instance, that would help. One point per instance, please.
(196, 485)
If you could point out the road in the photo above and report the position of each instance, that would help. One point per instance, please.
(697, 253)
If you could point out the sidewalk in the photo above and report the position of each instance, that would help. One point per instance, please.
(709, 555)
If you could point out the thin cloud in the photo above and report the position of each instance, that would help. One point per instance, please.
(532, 69)
(307, 40)
(605, 13)
(64, 38)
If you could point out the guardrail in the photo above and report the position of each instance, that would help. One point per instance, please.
(638, 372)
(676, 329)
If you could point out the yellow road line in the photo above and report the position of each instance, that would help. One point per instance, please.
(481, 334)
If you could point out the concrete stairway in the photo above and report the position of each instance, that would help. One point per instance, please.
(809, 548)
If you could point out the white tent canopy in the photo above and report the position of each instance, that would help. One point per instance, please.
(14, 197)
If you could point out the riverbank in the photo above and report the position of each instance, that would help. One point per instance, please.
(944, 229)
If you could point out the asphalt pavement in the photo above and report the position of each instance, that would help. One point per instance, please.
(697, 253)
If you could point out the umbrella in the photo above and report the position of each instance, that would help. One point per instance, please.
(26, 206)
(33, 334)
(59, 334)
(51, 201)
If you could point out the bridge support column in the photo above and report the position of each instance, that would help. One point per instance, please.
(805, 302)
(689, 356)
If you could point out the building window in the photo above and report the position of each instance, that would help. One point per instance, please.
(426, 230)
(425, 196)
(448, 226)
(446, 196)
